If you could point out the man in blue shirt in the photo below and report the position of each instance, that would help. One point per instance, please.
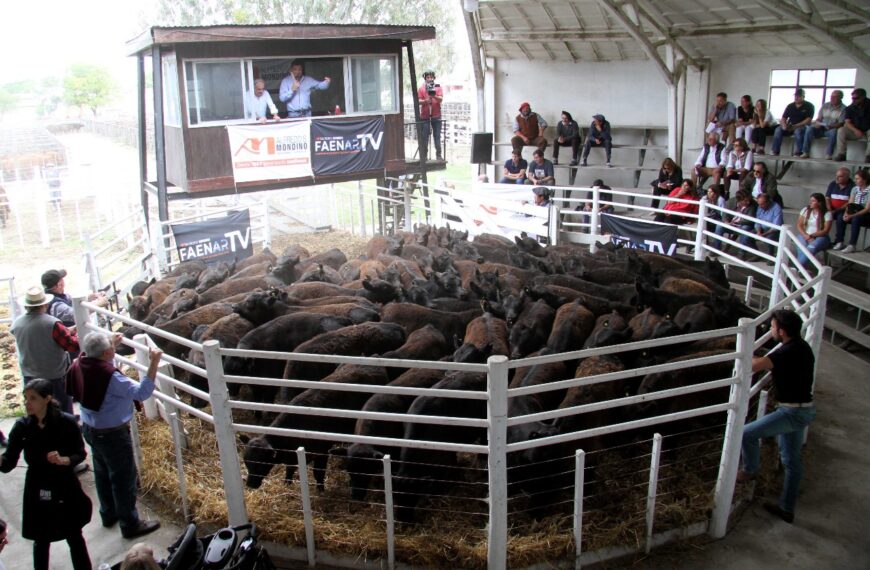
(296, 90)
(106, 397)
(770, 212)
(796, 120)
(515, 169)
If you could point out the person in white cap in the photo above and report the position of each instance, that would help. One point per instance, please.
(44, 344)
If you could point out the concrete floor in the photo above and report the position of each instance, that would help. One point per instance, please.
(830, 530)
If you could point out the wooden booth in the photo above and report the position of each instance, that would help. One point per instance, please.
(203, 78)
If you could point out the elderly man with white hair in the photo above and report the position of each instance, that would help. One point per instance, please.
(106, 397)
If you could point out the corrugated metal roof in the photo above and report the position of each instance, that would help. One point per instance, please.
(588, 30)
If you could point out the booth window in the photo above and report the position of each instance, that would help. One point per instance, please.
(373, 84)
(215, 91)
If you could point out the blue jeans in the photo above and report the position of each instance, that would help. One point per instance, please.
(435, 129)
(512, 181)
(114, 475)
(743, 240)
(799, 136)
(831, 135)
(788, 424)
(854, 223)
(818, 244)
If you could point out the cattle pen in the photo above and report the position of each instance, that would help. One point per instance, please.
(572, 471)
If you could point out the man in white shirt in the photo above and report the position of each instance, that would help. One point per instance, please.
(711, 161)
(260, 100)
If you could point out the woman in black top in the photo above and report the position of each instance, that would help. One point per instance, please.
(567, 134)
(670, 177)
(55, 506)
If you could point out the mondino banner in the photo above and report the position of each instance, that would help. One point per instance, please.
(274, 151)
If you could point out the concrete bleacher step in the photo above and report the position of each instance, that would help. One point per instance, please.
(815, 160)
(847, 332)
(849, 295)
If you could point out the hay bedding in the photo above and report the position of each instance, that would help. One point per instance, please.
(453, 529)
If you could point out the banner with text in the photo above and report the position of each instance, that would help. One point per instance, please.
(216, 240)
(347, 146)
(271, 152)
(658, 238)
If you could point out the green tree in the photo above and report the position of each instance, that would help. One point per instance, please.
(88, 85)
(436, 55)
(8, 101)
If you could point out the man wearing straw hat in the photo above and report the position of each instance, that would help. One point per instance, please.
(106, 396)
(44, 344)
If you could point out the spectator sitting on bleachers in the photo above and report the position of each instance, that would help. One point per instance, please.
(856, 124)
(762, 180)
(795, 121)
(857, 213)
(711, 161)
(529, 129)
(770, 212)
(763, 125)
(837, 195)
(714, 197)
(567, 134)
(814, 227)
(675, 211)
(515, 169)
(738, 165)
(541, 170)
(722, 118)
(670, 176)
(599, 135)
(743, 206)
(744, 118)
(830, 119)
(603, 208)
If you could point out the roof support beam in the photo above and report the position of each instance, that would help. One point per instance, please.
(636, 32)
(476, 63)
(852, 9)
(816, 25)
(644, 8)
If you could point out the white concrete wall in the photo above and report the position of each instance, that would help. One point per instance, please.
(635, 93)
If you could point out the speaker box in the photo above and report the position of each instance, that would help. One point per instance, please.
(481, 148)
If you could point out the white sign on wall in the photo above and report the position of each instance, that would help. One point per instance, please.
(271, 152)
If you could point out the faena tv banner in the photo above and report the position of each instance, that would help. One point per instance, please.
(658, 238)
(347, 146)
(220, 239)
(271, 152)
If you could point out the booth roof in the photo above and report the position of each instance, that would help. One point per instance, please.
(159, 35)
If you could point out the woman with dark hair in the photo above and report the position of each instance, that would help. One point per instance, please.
(675, 211)
(814, 225)
(857, 212)
(55, 507)
(670, 177)
(744, 118)
(567, 134)
(763, 124)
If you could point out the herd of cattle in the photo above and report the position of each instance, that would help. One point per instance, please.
(434, 295)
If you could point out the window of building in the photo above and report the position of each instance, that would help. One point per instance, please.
(817, 83)
(217, 90)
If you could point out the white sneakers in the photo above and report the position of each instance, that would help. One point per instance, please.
(849, 249)
(838, 246)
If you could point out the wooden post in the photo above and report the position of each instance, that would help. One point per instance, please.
(307, 518)
(651, 490)
(226, 435)
(579, 481)
(497, 380)
(731, 445)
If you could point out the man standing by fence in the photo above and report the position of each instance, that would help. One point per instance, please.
(43, 343)
(106, 397)
(791, 365)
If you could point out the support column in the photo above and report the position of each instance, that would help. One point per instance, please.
(143, 133)
(159, 139)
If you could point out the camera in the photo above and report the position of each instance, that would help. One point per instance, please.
(430, 88)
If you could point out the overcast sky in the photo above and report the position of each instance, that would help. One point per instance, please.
(44, 38)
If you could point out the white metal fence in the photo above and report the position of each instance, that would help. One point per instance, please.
(491, 499)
